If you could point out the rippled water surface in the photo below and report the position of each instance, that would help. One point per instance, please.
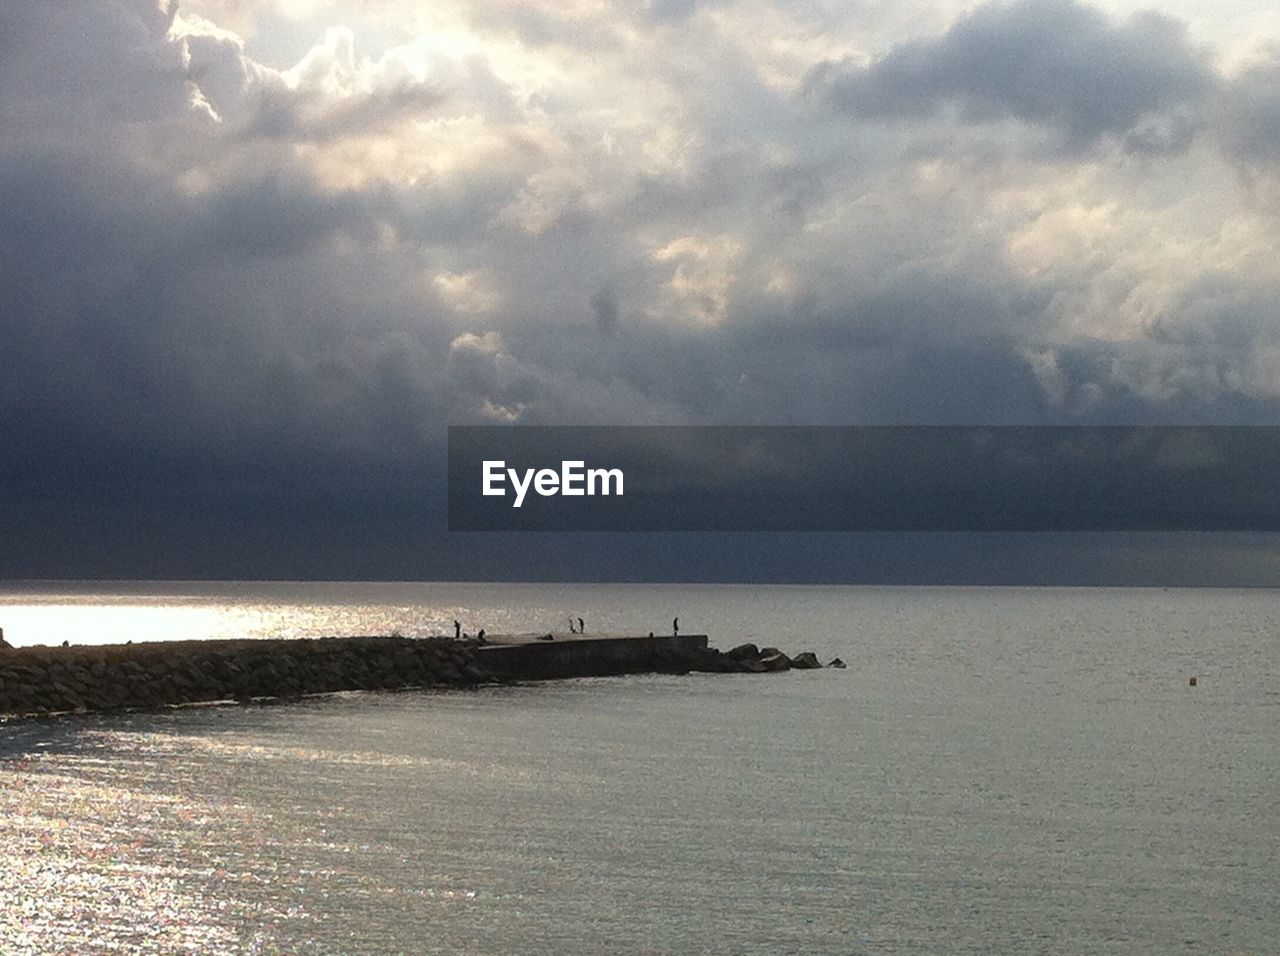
(997, 771)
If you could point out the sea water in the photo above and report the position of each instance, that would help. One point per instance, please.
(998, 770)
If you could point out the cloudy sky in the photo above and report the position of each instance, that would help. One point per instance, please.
(255, 255)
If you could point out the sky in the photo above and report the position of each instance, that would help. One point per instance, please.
(256, 255)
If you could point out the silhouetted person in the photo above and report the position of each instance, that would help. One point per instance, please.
(582, 628)
(457, 630)
(571, 628)
(675, 627)
(66, 643)
(480, 636)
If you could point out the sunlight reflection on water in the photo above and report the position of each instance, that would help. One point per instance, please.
(94, 614)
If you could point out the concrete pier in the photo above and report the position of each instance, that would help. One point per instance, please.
(527, 657)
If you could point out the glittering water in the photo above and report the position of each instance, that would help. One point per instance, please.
(997, 771)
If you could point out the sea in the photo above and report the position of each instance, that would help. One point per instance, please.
(1023, 770)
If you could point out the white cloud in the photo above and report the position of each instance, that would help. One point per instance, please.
(703, 278)
(468, 293)
(487, 343)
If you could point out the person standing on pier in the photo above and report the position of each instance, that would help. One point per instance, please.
(457, 630)
(582, 628)
(675, 627)
(571, 630)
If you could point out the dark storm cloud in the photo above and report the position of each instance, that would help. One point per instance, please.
(233, 342)
(1251, 114)
(931, 306)
(1218, 311)
(234, 326)
(284, 213)
(1054, 63)
(80, 59)
(604, 306)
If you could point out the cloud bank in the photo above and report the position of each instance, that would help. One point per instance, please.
(255, 247)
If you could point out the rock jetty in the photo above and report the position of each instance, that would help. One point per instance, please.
(77, 679)
(44, 680)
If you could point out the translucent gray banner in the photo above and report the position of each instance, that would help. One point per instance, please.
(864, 478)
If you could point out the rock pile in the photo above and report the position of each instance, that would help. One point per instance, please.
(743, 659)
(43, 680)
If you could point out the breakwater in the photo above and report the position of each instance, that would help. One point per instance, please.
(51, 680)
(42, 680)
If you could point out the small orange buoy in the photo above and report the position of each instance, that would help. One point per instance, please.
(1192, 682)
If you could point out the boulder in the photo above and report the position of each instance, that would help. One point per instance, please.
(476, 675)
(449, 674)
(743, 652)
(724, 664)
(836, 662)
(716, 662)
(806, 660)
(775, 662)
